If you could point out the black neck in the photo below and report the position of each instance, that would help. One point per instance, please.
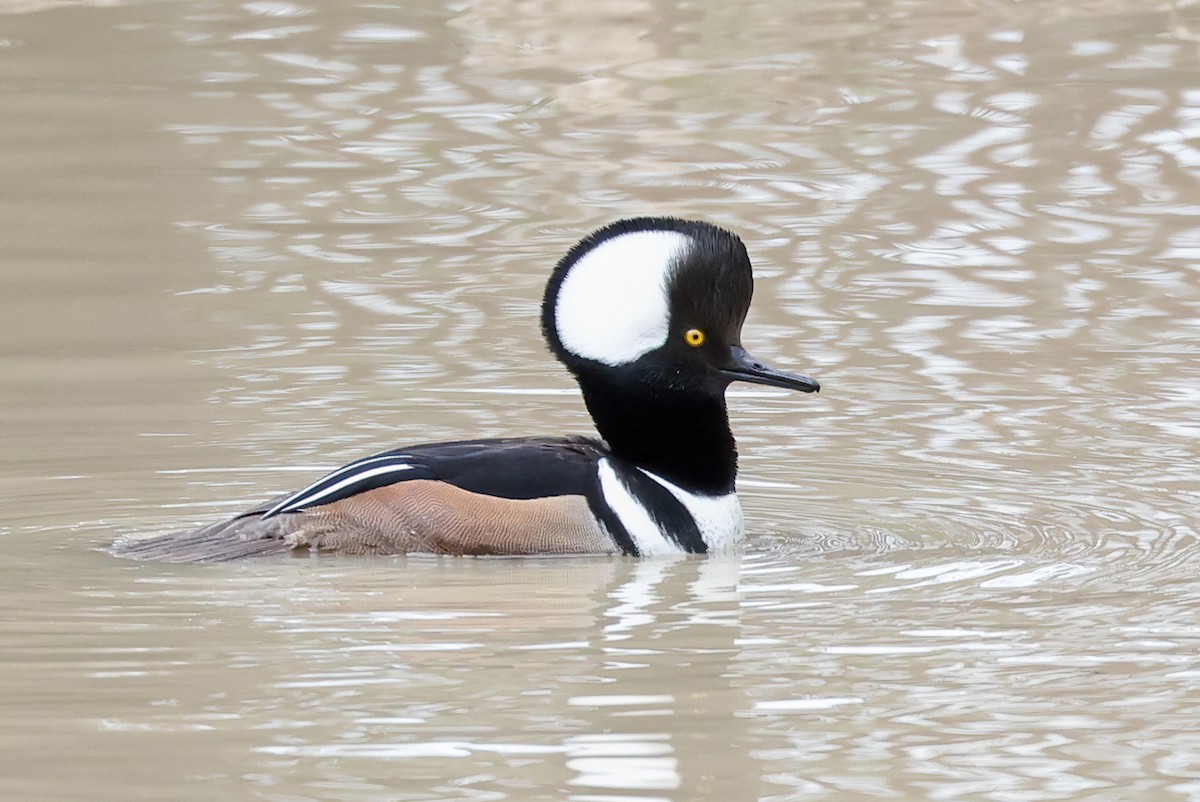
(683, 437)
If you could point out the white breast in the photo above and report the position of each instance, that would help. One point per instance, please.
(719, 518)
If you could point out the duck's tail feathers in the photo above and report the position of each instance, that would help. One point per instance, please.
(247, 535)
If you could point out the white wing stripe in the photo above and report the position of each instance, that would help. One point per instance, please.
(348, 468)
(308, 496)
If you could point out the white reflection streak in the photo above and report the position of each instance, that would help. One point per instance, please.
(717, 582)
(405, 751)
(646, 761)
(951, 572)
(634, 599)
(624, 761)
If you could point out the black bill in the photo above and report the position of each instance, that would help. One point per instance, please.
(745, 368)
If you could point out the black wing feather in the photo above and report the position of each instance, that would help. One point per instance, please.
(524, 468)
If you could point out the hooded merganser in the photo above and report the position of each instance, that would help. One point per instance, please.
(647, 314)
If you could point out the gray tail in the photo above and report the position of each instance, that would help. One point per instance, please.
(247, 535)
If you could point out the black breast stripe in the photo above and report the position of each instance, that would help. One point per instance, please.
(668, 513)
(605, 515)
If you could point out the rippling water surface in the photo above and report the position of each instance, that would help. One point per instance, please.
(244, 242)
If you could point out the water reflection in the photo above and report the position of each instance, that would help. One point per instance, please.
(633, 695)
(695, 679)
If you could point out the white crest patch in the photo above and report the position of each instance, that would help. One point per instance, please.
(612, 306)
(719, 518)
(649, 539)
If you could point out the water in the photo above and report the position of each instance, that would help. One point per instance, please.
(242, 243)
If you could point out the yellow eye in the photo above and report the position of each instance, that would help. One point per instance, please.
(694, 337)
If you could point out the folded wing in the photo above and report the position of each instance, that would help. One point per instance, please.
(476, 497)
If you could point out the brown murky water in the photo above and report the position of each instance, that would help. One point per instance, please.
(243, 242)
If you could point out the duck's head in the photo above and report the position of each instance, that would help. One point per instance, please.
(659, 303)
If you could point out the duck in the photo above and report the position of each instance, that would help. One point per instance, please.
(646, 313)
